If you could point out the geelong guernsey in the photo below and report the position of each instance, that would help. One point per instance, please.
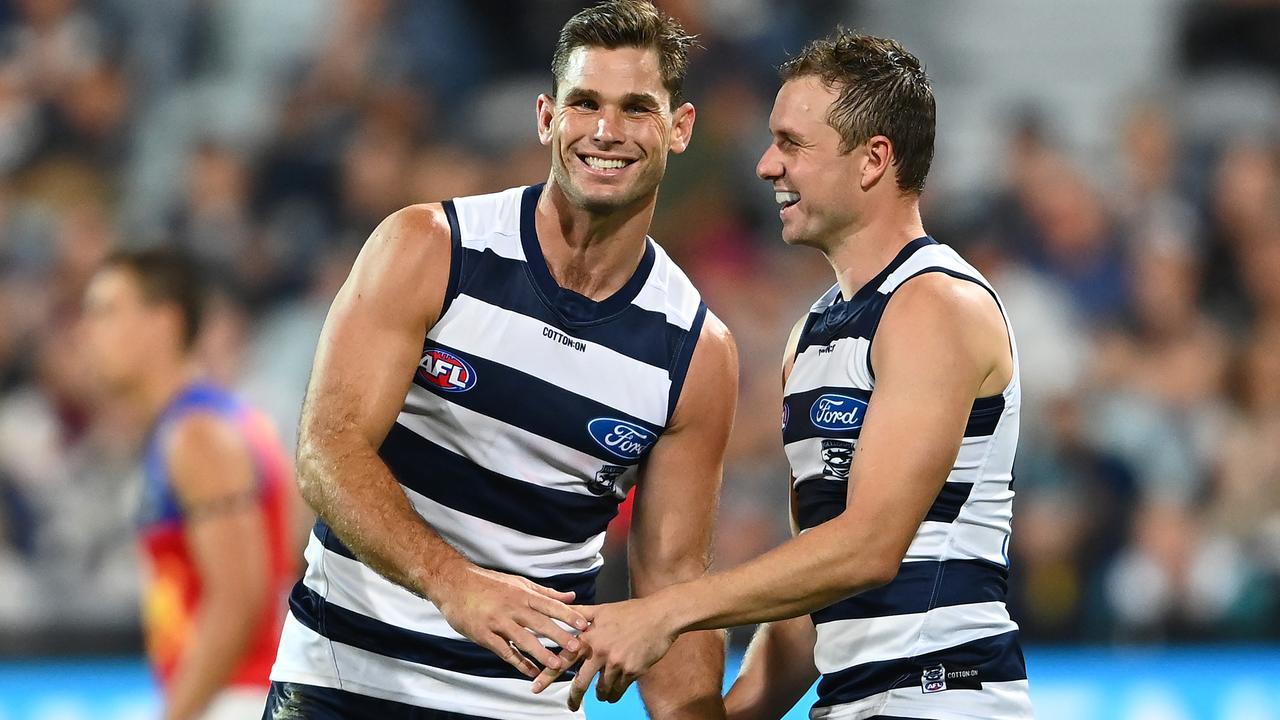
(528, 417)
(936, 642)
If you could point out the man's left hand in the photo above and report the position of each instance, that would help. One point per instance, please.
(623, 641)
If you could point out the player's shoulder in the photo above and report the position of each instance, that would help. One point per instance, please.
(414, 229)
(201, 442)
(940, 312)
(408, 254)
(941, 297)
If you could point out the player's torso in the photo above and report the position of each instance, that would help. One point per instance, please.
(172, 589)
(528, 417)
(944, 613)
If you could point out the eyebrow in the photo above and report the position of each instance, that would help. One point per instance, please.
(646, 99)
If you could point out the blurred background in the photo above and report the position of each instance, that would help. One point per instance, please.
(1113, 168)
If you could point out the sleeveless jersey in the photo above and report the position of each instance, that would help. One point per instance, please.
(937, 641)
(172, 590)
(528, 417)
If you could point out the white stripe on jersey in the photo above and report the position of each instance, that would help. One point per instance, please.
(491, 222)
(402, 681)
(669, 291)
(846, 643)
(847, 352)
(504, 448)
(493, 545)
(351, 584)
(996, 701)
(513, 340)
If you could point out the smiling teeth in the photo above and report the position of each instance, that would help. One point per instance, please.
(786, 198)
(603, 164)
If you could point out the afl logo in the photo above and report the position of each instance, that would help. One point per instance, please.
(837, 412)
(624, 439)
(446, 371)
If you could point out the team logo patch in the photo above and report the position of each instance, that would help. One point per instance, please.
(446, 371)
(624, 439)
(837, 456)
(837, 412)
(933, 679)
(606, 480)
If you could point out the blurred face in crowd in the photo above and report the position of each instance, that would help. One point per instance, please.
(818, 187)
(611, 127)
(125, 334)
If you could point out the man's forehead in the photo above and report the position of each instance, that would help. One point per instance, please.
(801, 101)
(615, 71)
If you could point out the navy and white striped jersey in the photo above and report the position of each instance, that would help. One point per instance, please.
(936, 642)
(528, 417)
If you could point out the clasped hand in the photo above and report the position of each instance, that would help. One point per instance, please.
(623, 641)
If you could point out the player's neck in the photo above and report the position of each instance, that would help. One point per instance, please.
(160, 386)
(589, 253)
(869, 247)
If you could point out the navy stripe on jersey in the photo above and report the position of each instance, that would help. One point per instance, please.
(582, 585)
(504, 282)
(341, 625)
(455, 255)
(997, 659)
(984, 416)
(922, 586)
(821, 499)
(681, 368)
(456, 482)
(533, 405)
(851, 319)
(573, 308)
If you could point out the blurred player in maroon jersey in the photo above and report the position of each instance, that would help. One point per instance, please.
(217, 499)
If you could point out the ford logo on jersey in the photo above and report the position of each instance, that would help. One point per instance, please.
(446, 371)
(837, 412)
(624, 439)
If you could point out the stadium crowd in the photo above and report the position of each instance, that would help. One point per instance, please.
(268, 139)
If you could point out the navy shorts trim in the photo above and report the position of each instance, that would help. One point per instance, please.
(296, 701)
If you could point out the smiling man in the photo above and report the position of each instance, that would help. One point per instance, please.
(900, 422)
(495, 375)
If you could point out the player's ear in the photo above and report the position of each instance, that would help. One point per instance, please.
(682, 127)
(546, 111)
(877, 160)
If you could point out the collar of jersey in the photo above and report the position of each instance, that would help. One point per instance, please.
(841, 310)
(571, 307)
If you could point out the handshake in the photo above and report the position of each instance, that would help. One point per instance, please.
(509, 614)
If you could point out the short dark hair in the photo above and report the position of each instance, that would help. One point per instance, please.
(167, 276)
(883, 91)
(628, 23)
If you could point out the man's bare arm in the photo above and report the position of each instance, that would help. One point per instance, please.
(213, 477)
(365, 361)
(673, 522)
(776, 672)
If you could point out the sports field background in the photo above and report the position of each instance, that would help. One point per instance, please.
(1112, 167)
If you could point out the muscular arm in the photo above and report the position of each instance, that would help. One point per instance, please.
(365, 361)
(213, 476)
(671, 528)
